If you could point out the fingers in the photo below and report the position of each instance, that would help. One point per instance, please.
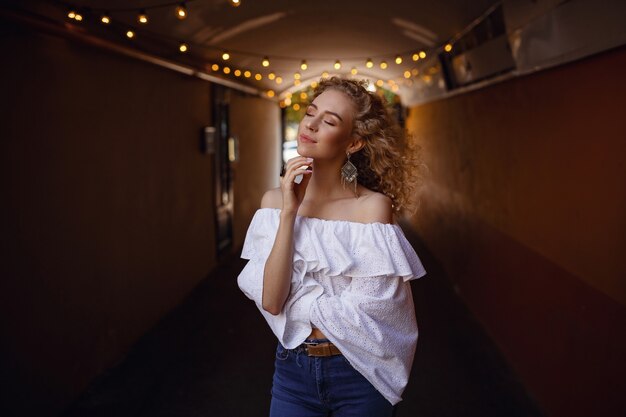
(294, 166)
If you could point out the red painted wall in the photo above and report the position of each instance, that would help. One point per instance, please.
(525, 204)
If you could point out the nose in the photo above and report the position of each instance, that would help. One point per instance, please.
(311, 124)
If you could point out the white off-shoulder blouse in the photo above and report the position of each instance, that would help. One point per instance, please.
(351, 281)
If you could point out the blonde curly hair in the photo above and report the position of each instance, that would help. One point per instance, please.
(388, 163)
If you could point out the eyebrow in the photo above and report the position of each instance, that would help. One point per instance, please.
(329, 112)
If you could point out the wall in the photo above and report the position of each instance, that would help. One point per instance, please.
(107, 213)
(525, 205)
(256, 122)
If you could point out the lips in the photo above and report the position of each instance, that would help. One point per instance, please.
(305, 138)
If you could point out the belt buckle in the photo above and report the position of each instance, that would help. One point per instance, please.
(306, 346)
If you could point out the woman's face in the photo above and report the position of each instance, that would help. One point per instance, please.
(325, 130)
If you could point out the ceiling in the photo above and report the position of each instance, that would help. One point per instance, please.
(287, 32)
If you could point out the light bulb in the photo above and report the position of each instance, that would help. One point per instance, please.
(369, 63)
(266, 62)
(181, 11)
(303, 65)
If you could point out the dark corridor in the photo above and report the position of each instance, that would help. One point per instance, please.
(213, 356)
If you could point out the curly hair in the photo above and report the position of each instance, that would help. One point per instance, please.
(388, 163)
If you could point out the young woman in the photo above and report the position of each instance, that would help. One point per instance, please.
(329, 267)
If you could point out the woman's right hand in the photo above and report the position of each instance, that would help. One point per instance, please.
(293, 193)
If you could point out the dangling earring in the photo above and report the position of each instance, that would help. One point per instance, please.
(349, 173)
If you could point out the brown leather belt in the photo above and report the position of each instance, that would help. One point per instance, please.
(321, 349)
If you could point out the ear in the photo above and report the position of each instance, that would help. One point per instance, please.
(356, 145)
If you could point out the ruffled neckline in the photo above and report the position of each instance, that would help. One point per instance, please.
(331, 221)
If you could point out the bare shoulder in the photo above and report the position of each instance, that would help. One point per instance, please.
(273, 198)
(375, 207)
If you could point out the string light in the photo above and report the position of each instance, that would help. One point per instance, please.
(181, 11)
(270, 93)
(303, 95)
(296, 106)
(142, 17)
(297, 82)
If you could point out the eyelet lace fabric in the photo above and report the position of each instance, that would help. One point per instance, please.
(351, 281)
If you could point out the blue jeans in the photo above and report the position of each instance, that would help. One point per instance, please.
(309, 386)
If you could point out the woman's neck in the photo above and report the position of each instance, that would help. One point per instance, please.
(325, 183)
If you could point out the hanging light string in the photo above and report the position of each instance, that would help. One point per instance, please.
(78, 13)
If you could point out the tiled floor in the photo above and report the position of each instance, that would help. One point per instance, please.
(214, 356)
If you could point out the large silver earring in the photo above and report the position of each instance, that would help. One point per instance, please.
(349, 173)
